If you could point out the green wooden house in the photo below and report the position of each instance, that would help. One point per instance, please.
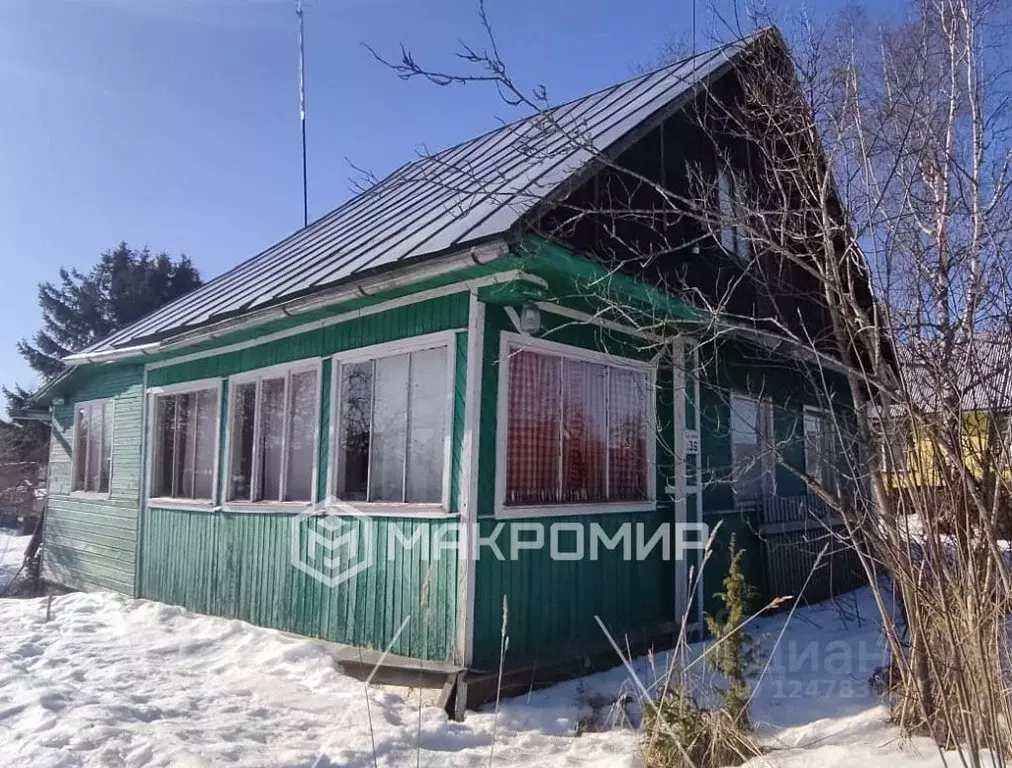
(438, 364)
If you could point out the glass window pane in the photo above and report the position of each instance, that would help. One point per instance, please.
(186, 446)
(165, 417)
(80, 447)
(301, 437)
(726, 204)
(185, 432)
(353, 440)
(389, 429)
(272, 427)
(584, 440)
(206, 429)
(746, 446)
(813, 445)
(95, 449)
(241, 463)
(427, 429)
(533, 459)
(627, 438)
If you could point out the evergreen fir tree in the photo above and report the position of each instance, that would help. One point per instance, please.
(733, 655)
(79, 309)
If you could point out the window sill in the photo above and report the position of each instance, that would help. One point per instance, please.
(89, 495)
(381, 509)
(563, 510)
(267, 507)
(193, 505)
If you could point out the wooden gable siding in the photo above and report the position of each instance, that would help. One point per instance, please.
(661, 246)
(551, 604)
(239, 565)
(90, 543)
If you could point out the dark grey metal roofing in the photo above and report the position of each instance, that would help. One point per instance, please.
(977, 373)
(470, 192)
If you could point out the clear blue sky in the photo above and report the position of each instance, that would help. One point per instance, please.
(174, 123)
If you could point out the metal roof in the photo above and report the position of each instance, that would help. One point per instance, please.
(977, 372)
(468, 193)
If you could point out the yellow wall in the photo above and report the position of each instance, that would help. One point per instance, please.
(922, 468)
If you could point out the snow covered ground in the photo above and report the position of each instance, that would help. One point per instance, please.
(112, 681)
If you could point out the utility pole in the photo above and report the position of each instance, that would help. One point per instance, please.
(302, 112)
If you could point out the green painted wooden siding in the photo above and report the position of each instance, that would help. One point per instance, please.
(240, 565)
(551, 604)
(439, 314)
(91, 543)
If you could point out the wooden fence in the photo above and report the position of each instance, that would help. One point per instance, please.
(794, 531)
(22, 494)
(783, 537)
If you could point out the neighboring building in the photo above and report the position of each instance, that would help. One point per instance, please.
(960, 398)
(438, 349)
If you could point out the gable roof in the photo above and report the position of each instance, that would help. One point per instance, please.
(464, 195)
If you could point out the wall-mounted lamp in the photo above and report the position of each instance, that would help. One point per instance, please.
(530, 319)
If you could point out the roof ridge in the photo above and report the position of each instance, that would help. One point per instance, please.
(614, 86)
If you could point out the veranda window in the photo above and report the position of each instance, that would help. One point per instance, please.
(578, 431)
(186, 431)
(393, 430)
(273, 433)
(92, 446)
(751, 448)
(820, 448)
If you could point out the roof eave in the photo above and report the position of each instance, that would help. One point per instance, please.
(384, 280)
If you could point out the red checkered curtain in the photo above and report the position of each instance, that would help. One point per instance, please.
(533, 429)
(627, 445)
(584, 435)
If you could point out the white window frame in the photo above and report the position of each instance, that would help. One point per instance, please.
(257, 376)
(518, 342)
(826, 417)
(183, 388)
(768, 466)
(110, 404)
(447, 339)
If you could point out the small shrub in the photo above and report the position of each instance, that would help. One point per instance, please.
(677, 733)
(680, 734)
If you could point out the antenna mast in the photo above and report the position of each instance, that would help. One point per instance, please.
(693, 27)
(302, 112)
